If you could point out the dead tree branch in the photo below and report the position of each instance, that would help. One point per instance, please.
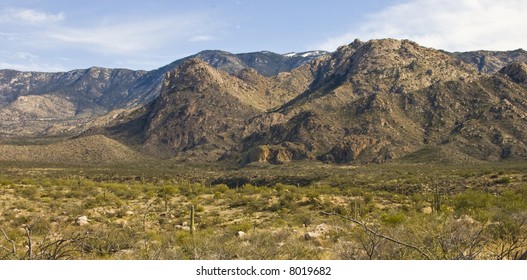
(13, 245)
(366, 228)
(29, 243)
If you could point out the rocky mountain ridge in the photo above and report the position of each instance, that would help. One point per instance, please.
(491, 61)
(40, 104)
(369, 101)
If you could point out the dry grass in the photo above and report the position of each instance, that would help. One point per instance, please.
(482, 212)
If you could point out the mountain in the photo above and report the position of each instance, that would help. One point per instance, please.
(387, 99)
(372, 101)
(369, 101)
(43, 104)
(203, 111)
(491, 62)
(33, 103)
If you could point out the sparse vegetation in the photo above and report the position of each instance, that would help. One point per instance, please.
(302, 210)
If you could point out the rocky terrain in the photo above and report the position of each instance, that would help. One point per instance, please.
(369, 101)
(266, 156)
(47, 104)
(372, 101)
(491, 62)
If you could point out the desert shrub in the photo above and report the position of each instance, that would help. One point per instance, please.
(367, 197)
(242, 225)
(221, 188)
(473, 203)
(27, 181)
(502, 180)
(103, 199)
(279, 246)
(249, 189)
(29, 192)
(55, 194)
(103, 243)
(5, 182)
(302, 217)
(123, 191)
(393, 218)
(192, 190)
(204, 245)
(45, 183)
(285, 203)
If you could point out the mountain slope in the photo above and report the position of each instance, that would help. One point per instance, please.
(491, 62)
(368, 102)
(202, 111)
(93, 149)
(357, 107)
(73, 99)
(372, 101)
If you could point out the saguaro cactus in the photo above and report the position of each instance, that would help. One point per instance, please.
(437, 200)
(192, 219)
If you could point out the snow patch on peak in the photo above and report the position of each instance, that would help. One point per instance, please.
(312, 53)
(304, 54)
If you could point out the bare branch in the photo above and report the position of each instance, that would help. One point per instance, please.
(523, 256)
(13, 245)
(366, 228)
(29, 243)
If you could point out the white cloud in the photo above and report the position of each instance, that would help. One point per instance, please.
(29, 16)
(25, 61)
(105, 39)
(41, 67)
(201, 38)
(133, 37)
(454, 25)
(24, 55)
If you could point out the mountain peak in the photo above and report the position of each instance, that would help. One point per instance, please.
(195, 75)
(398, 64)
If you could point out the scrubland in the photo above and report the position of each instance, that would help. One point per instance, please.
(301, 210)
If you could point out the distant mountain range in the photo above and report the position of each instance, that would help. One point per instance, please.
(40, 104)
(372, 101)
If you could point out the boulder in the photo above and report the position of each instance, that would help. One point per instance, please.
(82, 221)
(240, 234)
(312, 235)
(180, 227)
(322, 229)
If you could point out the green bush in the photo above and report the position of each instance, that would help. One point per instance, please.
(503, 181)
(473, 203)
(29, 192)
(393, 218)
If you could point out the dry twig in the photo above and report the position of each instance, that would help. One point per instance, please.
(366, 228)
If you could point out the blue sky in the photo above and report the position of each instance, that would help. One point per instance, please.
(60, 35)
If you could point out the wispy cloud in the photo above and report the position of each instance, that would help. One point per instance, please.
(201, 38)
(453, 25)
(105, 40)
(29, 16)
(127, 37)
(26, 61)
